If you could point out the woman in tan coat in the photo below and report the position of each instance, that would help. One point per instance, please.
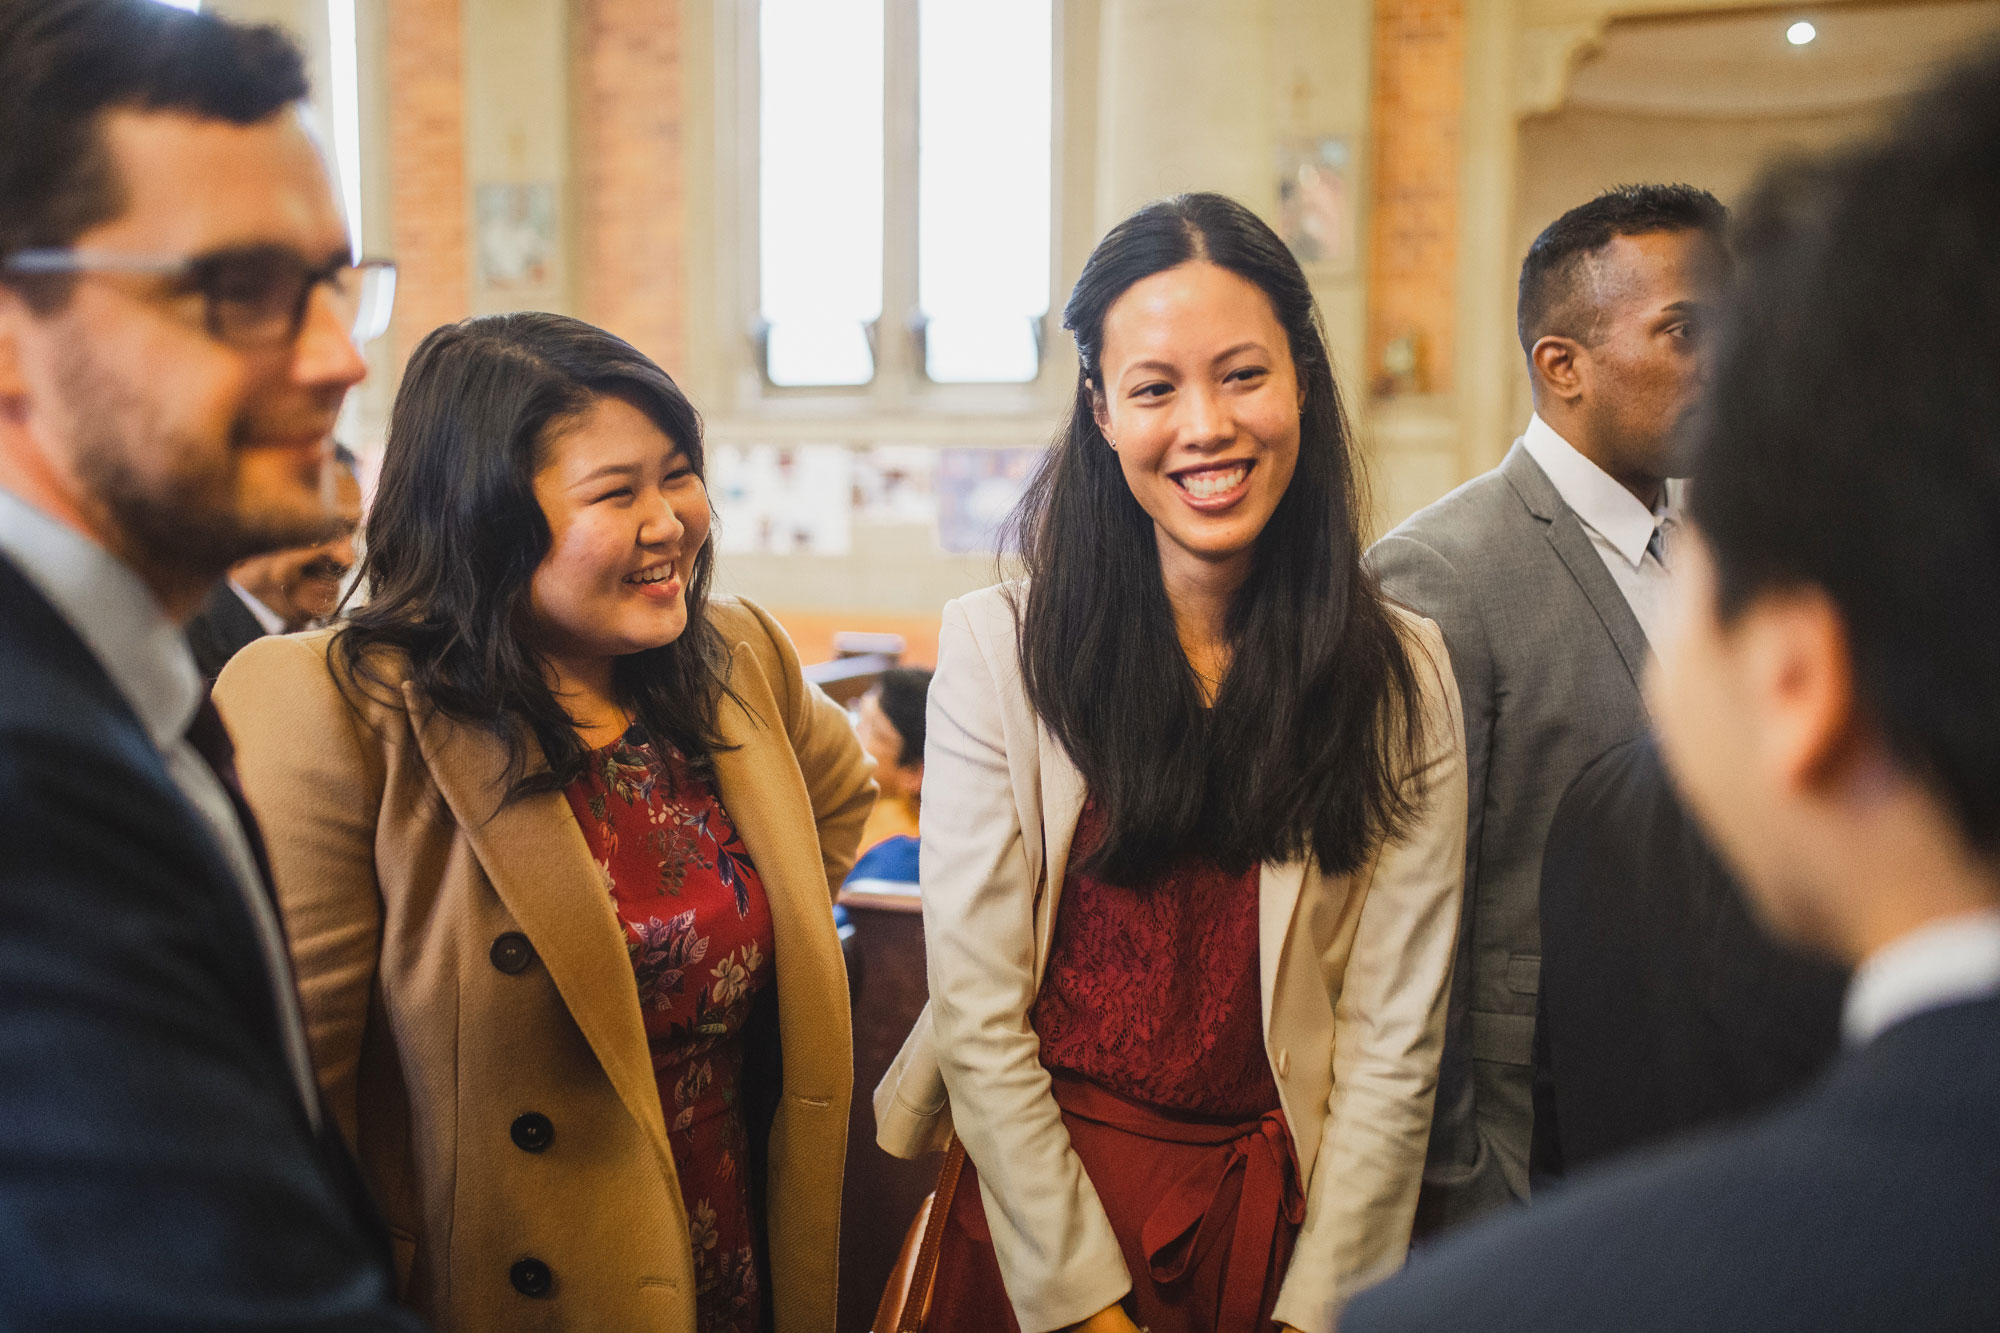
(553, 834)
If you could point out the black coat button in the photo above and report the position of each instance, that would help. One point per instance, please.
(532, 1132)
(512, 953)
(531, 1277)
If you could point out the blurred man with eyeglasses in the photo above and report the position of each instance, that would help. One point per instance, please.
(179, 323)
(281, 592)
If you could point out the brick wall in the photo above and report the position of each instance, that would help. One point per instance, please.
(1413, 241)
(427, 167)
(630, 247)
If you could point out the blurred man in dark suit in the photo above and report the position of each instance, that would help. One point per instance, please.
(1827, 705)
(280, 592)
(1665, 1007)
(178, 325)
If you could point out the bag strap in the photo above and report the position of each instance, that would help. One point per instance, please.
(923, 1281)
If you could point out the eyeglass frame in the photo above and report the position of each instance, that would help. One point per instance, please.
(187, 272)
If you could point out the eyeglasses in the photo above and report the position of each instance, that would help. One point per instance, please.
(252, 296)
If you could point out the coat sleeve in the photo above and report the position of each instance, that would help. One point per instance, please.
(312, 773)
(156, 1169)
(840, 777)
(1388, 1027)
(1058, 1256)
(1463, 1176)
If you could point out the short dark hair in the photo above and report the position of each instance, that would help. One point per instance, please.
(1554, 296)
(1853, 442)
(455, 536)
(901, 696)
(1303, 749)
(64, 63)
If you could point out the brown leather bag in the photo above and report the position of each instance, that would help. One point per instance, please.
(910, 1293)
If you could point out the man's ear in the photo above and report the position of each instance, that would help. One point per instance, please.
(1802, 666)
(1561, 364)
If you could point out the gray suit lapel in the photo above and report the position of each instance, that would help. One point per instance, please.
(1573, 545)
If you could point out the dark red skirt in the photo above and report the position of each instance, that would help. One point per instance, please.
(1205, 1214)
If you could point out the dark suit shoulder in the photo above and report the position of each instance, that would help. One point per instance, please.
(221, 629)
(1870, 1203)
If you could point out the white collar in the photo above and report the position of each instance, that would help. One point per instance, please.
(272, 622)
(1604, 505)
(1946, 962)
(113, 612)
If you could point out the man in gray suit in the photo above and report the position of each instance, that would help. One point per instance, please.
(1548, 577)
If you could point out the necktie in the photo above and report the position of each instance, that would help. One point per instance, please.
(1661, 542)
(210, 740)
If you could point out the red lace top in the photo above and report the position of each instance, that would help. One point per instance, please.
(698, 929)
(1152, 991)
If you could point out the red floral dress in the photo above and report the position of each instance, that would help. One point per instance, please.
(698, 929)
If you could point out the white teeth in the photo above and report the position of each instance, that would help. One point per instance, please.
(660, 575)
(1208, 485)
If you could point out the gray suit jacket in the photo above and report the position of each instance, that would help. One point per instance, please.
(1548, 657)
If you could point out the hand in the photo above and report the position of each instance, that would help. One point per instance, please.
(1111, 1319)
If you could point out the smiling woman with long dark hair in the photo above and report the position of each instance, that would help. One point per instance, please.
(1194, 809)
(554, 830)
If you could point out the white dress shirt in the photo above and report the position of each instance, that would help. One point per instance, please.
(1946, 962)
(272, 622)
(150, 663)
(1619, 526)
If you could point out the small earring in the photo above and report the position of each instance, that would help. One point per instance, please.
(1113, 443)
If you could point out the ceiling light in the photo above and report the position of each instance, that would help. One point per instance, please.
(1800, 33)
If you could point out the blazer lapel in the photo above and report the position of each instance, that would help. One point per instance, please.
(534, 855)
(757, 777)
(1278, 889)
(1572, 545)
(1062, 797)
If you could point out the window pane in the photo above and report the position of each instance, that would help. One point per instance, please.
(820, 173)
(983, 164)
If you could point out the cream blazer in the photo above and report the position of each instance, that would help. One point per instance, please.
(1354, 974)
(461, 966)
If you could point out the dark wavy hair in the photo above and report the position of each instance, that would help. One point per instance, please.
(1298, 753)
(455, 535)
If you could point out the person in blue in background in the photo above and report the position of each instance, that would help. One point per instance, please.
(891, 724)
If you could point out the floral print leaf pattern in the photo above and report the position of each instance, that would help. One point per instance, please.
(662, 952)
(699, 935)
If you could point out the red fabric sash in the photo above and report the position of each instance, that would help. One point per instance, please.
(1180, 1232)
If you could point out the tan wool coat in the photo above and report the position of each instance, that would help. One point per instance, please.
(461, 967)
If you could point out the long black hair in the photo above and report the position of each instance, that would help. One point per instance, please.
(1300, 751)
(456, 533)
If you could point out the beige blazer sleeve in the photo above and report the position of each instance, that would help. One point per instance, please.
(313, 775)
(1388, 1028)
(1057, 1253)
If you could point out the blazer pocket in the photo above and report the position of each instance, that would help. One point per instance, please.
(1524, 973)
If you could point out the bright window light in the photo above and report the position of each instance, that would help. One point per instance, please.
(190, 5)
(820, 188)
(986, 103)
(1800, 33)
(346, 111)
